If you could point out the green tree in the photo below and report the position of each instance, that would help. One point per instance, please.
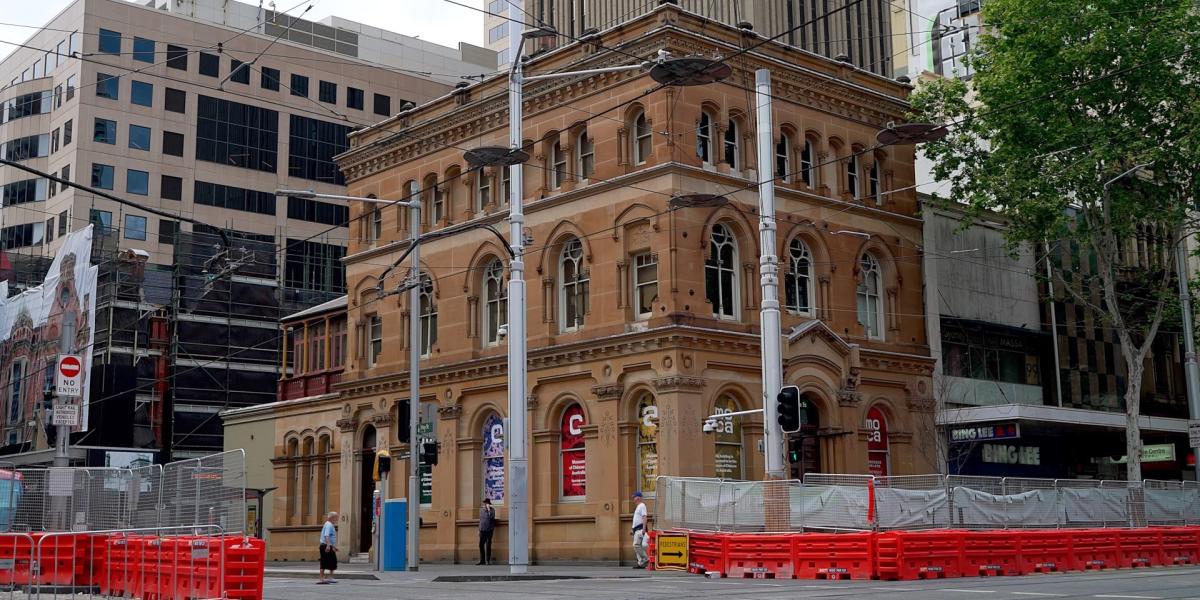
(1068, 99)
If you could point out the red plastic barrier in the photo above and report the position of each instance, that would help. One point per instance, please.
(834, 555)
(1181, 545)
(94, 552)
(1141, 548)
(759, 556)
(706, 553)
(244, 564)
(919, 554)
(1047, 551)
(59, 559)
(1096, 549)
(992, 553)
(17, 550)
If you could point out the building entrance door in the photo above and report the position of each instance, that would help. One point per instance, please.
(366, 491)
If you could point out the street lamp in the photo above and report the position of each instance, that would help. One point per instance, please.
(665, 70)
(414, 372)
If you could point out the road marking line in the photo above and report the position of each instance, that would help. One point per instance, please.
(961, 591)
(1132, 597)
(1035, 594)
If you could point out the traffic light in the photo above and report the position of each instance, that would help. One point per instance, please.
(403, 431)
(787, 409)
(429, 453)
(793, 453)
(383, 464)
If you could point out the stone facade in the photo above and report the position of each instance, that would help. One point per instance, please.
(620, 383)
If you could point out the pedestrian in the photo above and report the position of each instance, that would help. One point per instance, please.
(328, 548)
(487, 525)
(640, 535)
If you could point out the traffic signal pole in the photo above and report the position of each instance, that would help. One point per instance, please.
(768, 266)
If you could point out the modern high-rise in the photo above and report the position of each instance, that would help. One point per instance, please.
(199, 109)
(861, 30)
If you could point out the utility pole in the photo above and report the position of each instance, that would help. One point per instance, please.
(768, 267)
(414, 386)
(1190, 370)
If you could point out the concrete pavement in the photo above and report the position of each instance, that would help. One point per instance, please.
(624, 583)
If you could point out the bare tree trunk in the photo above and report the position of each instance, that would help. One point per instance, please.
(1133, 410)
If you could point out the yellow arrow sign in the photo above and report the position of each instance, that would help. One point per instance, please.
(671, 553)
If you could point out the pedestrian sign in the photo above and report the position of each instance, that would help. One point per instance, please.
(671, 553)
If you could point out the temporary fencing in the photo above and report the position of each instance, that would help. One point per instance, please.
(825, 502)
(169, 532)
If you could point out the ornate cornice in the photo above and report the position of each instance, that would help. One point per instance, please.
(347, 425)
(678, 383)
(382, 419)
(897, 363)
(920, 404)
(608, 392)
(449, 412)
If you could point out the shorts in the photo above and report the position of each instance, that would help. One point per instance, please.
(328, 559)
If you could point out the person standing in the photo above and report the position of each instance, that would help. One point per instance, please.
(640, 534)
(328, 548)
(487, 525)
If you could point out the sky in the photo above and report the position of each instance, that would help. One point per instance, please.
(433, 20)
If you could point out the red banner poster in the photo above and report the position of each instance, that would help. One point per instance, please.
(574, 458)
(877, 443)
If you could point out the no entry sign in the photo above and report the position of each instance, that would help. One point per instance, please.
(68, 381)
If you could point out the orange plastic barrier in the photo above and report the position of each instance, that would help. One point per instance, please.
(706, 553)
(919, 554)
(991, 553)
(16, 550)
(244, 565)
(1046, 551)
(759, 556)
(834, 555)
(1181, 545)
(1141, 548)
(1096, 549)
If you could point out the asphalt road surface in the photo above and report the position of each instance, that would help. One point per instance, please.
(1147, 584)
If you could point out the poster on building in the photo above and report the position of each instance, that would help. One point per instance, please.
(37, 325)
(574, 457)
(426, 484)
(727, 457)
(877, 442)
(648, 447)
(493, 458)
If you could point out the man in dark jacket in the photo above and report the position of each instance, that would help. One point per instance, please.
(487, 524)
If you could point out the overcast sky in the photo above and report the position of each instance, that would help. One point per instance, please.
(434, 20)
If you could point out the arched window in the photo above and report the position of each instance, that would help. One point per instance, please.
(574, 455)
(852, 176)
(870, 313)
(439, 204)
(727, 457)
(878, 459)
(558, 165)
(323, 476)
(797, 280)
(647, 445)
(720, 273)
(585, 151)
(316, 346)
(483, 189)
(704, 137)
(495, 302)
(572, 287)
(431, 200)
(293, 489)
(505, 184)
(493, 458)
(413, 192)
(309, 481)
(873, 183)
(783, 159)
(732, 147)
(808, 171)
(428, 315)
(642, 141)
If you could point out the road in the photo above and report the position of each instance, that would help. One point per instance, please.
(1148, 584)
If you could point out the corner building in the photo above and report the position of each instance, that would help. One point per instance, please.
(642, 320)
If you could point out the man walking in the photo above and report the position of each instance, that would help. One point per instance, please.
(487, 525)
(328, 549)
(640, 535)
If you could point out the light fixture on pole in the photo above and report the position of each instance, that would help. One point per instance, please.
(665, 70)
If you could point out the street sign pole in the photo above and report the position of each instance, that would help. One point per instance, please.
(67, 384)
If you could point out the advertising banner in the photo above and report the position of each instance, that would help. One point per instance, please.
(648, 446)
(877, 443)
(574, 458)
(493, 458)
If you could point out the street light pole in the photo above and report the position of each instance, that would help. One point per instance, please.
(1190, 371)
(768, 267)
(414, 386)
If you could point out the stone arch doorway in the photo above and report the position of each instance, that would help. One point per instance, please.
(366, 492)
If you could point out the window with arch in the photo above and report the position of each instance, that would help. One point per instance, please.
(727, 453)
(798, 279)
(874, 186)
(642, 142)
(483, 190)
(505, 184)
(732, 154)
(558, 165)
(431, 197)
(783, 159)
(572, 287)
(573, 453)
(439, 205)
(808, 171)
(428, 315)
(323, 476)
(493, 458)
(293, 479)
(413, 193)
(647, 445)
(495, 302)
(870, 306)
(720, 272)
(585, 151)
(852, 176)
(704, 137)
(310, 480)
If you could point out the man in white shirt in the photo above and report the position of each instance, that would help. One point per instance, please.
(641, 536)
(328, 549)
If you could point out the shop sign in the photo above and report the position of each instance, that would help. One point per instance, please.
(1152, 453)
(1194, 434)
(985, 433)
(1004, 454)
